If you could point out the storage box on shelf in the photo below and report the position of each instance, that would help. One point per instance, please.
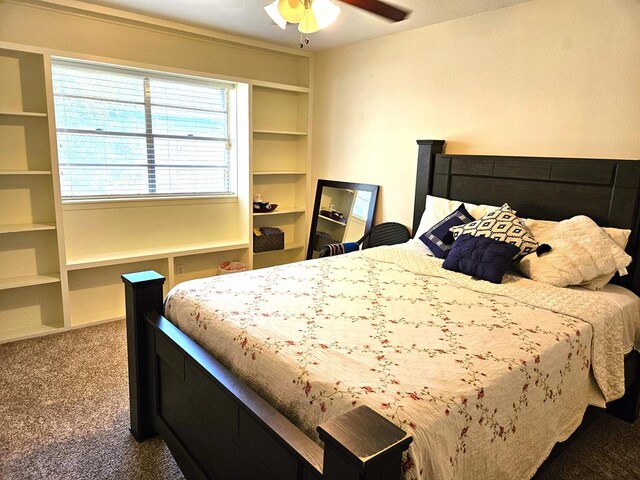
(280, 165)
(268, 239)
(30, 281)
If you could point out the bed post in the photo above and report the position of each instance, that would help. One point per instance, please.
(143, 294)
(427, 151)
(362, 445)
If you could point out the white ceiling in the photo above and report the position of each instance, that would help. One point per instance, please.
(248, 18)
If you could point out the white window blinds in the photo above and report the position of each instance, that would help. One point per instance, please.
(126, 133)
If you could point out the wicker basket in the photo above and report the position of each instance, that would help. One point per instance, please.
(231, 267)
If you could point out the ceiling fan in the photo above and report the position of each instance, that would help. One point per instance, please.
(314, 15)
(382, 9)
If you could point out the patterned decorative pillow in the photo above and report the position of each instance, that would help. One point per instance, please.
(438, 238)
(502, 225)
(480, 257)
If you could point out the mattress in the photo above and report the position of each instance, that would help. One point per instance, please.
(486, 378)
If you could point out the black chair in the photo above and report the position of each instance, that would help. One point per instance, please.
(388, 233)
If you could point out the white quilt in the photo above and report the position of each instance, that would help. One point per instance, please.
(487, 378)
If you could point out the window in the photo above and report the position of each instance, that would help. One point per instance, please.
(361, 204)
(128, 133)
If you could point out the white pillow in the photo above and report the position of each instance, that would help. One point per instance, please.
(437, 208)
(539, 228)
(581, 252)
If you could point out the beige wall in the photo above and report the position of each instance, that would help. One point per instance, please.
(548, 77)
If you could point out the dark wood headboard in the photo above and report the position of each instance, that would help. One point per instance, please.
(537, 187)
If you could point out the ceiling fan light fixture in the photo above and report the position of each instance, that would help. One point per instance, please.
(325, 12)
(309, 23)
(292, 11)
(274, 14)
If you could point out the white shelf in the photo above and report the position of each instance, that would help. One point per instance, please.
(287, 246)
(332, 220)
(284, 172)
(28, 281)
(132, 256)
(280, 86)
(25, 172)
(26, 227)
(27, 332)
(280, 132)
(280, 211)
(24, 114)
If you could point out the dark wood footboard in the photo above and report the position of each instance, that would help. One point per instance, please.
(218, 428)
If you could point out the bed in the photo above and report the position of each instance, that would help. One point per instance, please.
(218, 427)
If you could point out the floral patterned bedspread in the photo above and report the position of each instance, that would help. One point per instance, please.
(487, 378)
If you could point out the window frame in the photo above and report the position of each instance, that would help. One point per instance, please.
(232, 138)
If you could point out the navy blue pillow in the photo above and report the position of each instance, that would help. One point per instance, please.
(481, 257)
(438, 238)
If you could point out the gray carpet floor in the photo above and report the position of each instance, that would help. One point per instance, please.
(64, 415)
(64, 410)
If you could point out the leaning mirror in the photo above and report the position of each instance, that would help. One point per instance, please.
(342, 212)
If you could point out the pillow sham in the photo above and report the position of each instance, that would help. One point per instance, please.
(502, 225)
(436, 208)
(581, 252)
(438, 238)
(540, 228)
(481, 257)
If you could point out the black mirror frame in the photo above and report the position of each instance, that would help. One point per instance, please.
(346, 185)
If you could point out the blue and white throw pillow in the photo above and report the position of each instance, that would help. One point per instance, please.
(502, 225)
(439, 238)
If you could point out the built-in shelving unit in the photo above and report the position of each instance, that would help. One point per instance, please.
(30, 279)
(280, 139)
(60, 264)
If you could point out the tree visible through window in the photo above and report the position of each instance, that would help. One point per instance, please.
(130, 133)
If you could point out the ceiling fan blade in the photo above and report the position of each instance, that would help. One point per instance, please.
(380, 8)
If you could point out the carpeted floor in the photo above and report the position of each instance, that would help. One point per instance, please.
(64, 415)
(64, 411)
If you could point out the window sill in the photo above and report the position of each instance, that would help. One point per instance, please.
(95, 204)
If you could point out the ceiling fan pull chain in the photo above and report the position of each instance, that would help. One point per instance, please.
(304, 40)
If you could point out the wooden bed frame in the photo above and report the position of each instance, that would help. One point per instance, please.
(218, 428)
